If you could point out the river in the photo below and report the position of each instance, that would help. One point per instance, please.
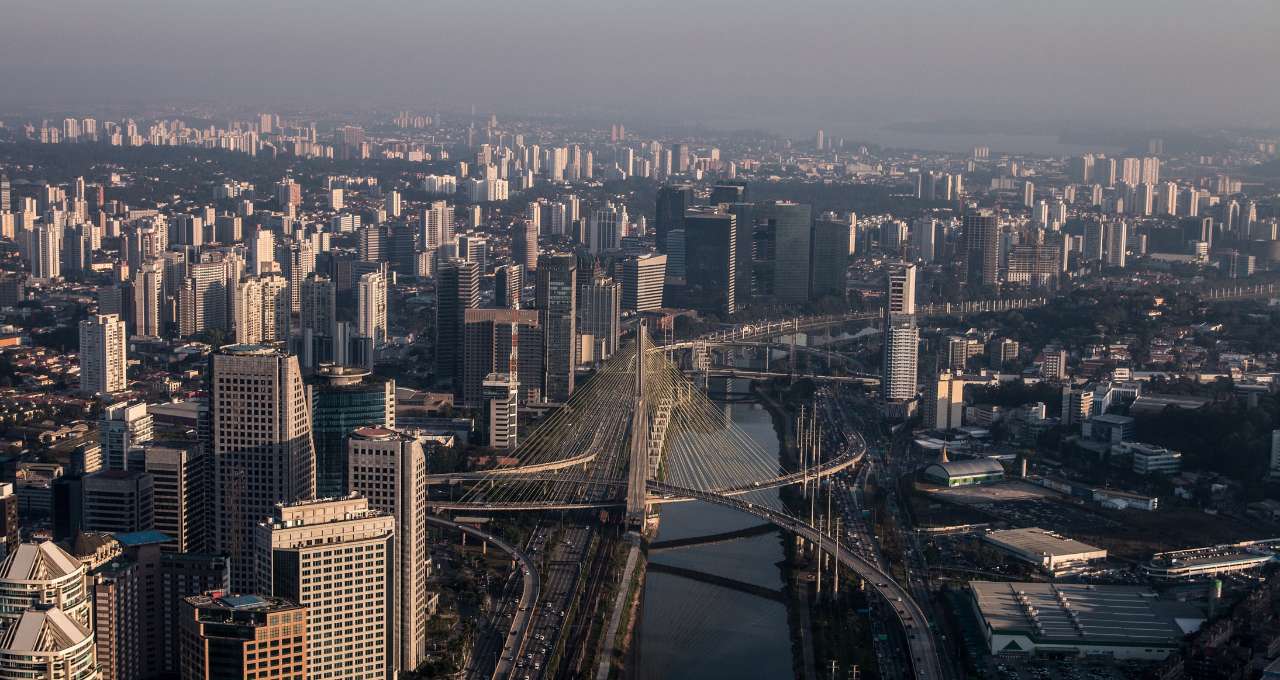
(690, 629)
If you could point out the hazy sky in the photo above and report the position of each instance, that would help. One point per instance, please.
(795, 64)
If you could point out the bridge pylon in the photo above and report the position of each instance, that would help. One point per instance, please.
(638, 459)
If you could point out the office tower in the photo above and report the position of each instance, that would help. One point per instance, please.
(830, 258)
(923, 239)
(1237, 265)
(262, 310)
(148, 299)
(288, 195)
(10, 529)
(606, 227)
(122, 427)
(335, 557)
(118, 501)
(500, 393)
(183, 575)
(710, 258)
(372, 246)
(556, 296)
(233, 637)
(901, 347)
(102, 355)
(508, 282)
(1117, 243)
(673, 202)
(43, 574)
(892, 235)
(262, 448)
(457, 290)
(902, 289)
(389, 468)
(728, 193)
(599, 313)
(487, 349)
(744, 249)
(318, 320)
(790, 225)
(343, 398)
(1077, 405)
(6, 203)
(643, 279)
(982, 248)
(182, 482)
(942, 407)
(46, 251)
(1028, 194)
(43, 642)
(524, 244)
(371, 308)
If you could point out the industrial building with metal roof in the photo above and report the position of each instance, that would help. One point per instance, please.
(1122, 622)
(1052, 552)
(964, 472)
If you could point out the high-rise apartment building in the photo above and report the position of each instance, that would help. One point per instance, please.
(102, 355)
(902, 289)
(924, 231)
(487, 349)
(371, 308)
(389, 468)
(335, 557)
(982, 248)
(901, 337)
(318, 319)
(148, 300)
(43, 574)
(556, 296)
(243, 637)
(262, 447)
(45, 643)
(508, 283)
(342, 399)
(262, 309)
(524, 244)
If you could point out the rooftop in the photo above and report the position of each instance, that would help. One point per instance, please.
(1037, 541)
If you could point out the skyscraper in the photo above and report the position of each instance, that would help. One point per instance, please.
(262, 448)
(830, 258)
(982, 248)
(457, 290)
(901, 336)
(335, 557)
(102, 355)
(122, 427)
(599, 312)
(791, 225)
(318, 319)
(148, 299)
(487, 349)
(508, 282)
(710, 261)
(557, 300)
(224, 636)
(924, 239)
(673, 201)
(371, 308)
(643, 280)
(262, 309)
(524, 244)
(343, 398)
(389, 468)
(1117, 243)
(182, 483)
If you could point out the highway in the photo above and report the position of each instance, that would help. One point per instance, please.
(531, 587)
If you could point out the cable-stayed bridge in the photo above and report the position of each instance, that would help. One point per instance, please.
(640, 434)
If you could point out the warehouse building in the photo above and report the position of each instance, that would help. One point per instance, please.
(964, 472)
(1051, 552)
(1195, 563)
(1080, 620)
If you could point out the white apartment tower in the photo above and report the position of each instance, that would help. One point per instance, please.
(102, 355)
(371, 307)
